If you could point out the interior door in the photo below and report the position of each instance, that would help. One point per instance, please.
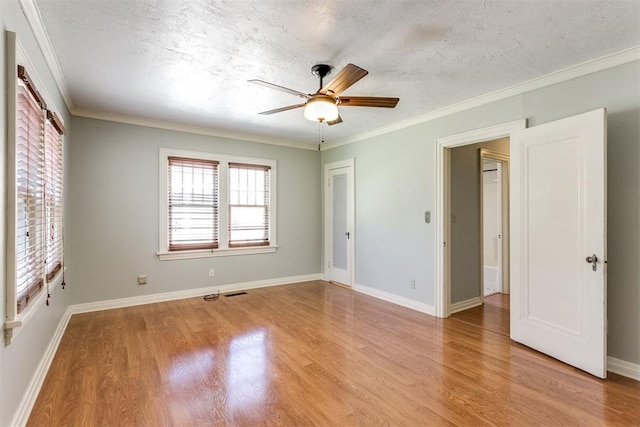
(341, 229)
(558, 246)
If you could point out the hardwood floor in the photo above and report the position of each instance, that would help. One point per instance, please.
(311, 354)
(493, 315)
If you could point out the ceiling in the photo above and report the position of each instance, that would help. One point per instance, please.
(188, 61)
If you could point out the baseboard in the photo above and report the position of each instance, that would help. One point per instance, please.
(189, 293)
(464, 305)
(405, 302)
(624, 368)
(21, 415)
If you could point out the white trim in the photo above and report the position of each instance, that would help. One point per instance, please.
(197, 130)
(328, 218)
(395, 299)
(624, 368)
(21, 416)
(32, 13)
(168, 256)
(465, 305)
(188, 293)
(585, 68)
(442, 286)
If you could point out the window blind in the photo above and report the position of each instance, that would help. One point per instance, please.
(53, 132)
(30, 178)
(248, 205)
(193, 204)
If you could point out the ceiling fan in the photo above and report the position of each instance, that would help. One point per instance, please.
(322, 106)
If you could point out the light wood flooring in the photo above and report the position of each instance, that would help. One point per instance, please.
(313, 354)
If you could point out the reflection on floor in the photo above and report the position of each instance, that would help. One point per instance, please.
(493, 315)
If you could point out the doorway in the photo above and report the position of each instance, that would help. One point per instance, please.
(476, 243)
(443, 249)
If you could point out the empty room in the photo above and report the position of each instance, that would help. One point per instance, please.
(359, 212)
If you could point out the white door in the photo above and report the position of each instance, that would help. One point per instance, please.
(558, 240)
(339, 233)
(492, 226)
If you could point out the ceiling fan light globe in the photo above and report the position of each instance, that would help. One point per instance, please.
(321, 109)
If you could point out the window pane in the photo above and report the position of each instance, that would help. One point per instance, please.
(248, 205)
(193, 204)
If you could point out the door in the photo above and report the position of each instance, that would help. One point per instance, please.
(492, 227)
(339, 233)
(558, 240)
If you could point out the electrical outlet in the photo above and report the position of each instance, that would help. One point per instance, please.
(212, 272)
(412, 284)
(142, 279)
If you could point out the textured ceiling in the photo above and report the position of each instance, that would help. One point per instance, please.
(188, 61)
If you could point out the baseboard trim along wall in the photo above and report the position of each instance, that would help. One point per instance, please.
(465, 305)
(405, 302)
(189, 293)
(29, 399)
(621, 367)
(23, 411)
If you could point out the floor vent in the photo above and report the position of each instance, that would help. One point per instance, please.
(235, 295)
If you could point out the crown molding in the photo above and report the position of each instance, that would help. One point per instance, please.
(178, 127)
(608, 61)
(33, 16)
(32, 13)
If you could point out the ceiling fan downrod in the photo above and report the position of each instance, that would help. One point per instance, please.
(321, 71)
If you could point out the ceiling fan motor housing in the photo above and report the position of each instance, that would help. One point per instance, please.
(321, 108)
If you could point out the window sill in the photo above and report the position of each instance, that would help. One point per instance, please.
(14, 326)
(168, 256)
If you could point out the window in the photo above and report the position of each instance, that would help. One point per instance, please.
(248, 205)
(193, 204)
(34, 193)
(215, 205)
(30, 161)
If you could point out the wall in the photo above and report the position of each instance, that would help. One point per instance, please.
(395, 184)
(19, 360)
(466, 270)
(114, 188)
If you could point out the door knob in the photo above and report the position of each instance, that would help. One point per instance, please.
(593, 260)
(347, 234)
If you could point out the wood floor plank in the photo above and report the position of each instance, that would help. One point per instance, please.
(314, 354)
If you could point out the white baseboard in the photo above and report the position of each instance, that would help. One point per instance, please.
(21, 415)
(405, 302)
(621, 367)
(464, 305)
(188, 293)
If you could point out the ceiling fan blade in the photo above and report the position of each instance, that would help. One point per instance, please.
(343, 80)
(280, 88)
(335, 122)
(368, 101)
(279, 110)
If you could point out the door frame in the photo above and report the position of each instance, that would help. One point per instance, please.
(443, 203)
(328, 217)
(503, 195)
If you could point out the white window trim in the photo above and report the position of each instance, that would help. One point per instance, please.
(223, 233)
(14, 322)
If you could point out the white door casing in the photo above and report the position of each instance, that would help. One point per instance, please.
(558, 219)
(339, 222)
(442, 211)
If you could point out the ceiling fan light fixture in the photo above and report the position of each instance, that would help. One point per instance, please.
(321, 108)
